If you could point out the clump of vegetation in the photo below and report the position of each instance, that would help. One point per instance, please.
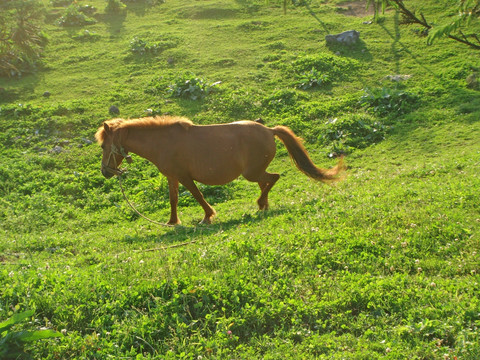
(147, 2)
(21, 37)
(12, 343)
(352, 131)
(142, 47)
(235, 104)
(311, 79)
(333, 66)
(58, 3)
(115, 6)
(87, 35)
(76, 15)
(388, 101)
(281, 101)
(189, 86)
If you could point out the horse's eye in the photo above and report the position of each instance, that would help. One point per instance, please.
(103, 146)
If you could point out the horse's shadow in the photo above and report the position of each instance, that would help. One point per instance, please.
(185, 233)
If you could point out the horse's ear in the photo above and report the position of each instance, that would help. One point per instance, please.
(107, 129)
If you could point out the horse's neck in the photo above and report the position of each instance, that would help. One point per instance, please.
(145, 142)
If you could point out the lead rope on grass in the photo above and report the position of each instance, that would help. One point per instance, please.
(152, 221)
(119, 177)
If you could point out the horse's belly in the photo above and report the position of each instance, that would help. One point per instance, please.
(213, 175)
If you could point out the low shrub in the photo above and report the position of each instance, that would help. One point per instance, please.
(353, 131)
(386, 101)
(281, 101)
(189, 86)
(75, 16)
(311, 79)
(114, 6)
(142, 47)
(235, 104)
(335, 67)
(22, 40)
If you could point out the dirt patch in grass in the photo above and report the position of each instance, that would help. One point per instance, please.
(356, 8)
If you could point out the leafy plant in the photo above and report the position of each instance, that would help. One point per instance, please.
(385, 101)
(282, 101)
(311, 79)
(74, 16)
(353, 131)
(58, 3)
(234, 104)
(189, 86)
(87, 35)
(115, 6)
(21, 38)
(142, 47)
(321, 68)
(12, 342)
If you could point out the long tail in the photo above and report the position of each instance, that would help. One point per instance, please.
(300, 157)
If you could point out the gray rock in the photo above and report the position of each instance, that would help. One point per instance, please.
(398, 78)
(473, 81)
(57, 149)
(114, 110)
(350, 37)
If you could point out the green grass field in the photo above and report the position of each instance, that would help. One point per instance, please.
(383, 265)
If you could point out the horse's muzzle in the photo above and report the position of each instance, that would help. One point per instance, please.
(109, 172)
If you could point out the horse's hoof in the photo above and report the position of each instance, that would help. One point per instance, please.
(174, 223)
(206, 221)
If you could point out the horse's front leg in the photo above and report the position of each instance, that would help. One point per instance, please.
(209, 211)
(173, 193)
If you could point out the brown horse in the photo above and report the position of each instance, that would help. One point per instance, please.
(210, 154)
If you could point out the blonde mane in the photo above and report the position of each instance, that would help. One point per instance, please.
(145, 123)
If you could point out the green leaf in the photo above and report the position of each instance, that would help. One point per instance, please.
(15, 319)
(29, 336)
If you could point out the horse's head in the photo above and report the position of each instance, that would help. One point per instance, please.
(113, 151)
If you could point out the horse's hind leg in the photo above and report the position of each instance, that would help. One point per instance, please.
(266, 182)
(209, 211)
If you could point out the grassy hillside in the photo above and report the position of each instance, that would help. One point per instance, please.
(384, 265)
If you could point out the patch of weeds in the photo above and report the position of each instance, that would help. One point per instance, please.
(253, 25)
(12, 343)
(311, 79)
(227, 62)
(386, 101)
(88, 10)
(189, 86)
(115, 6)
(277, 45)
(235, 104)
(87, 35)
(147, 2)
(353, 131)
(74, 16)
(272, 57)
(472, 81)
(314, 110)
(282, 101)
(142, 47)
(335, 67)
(60, 3)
